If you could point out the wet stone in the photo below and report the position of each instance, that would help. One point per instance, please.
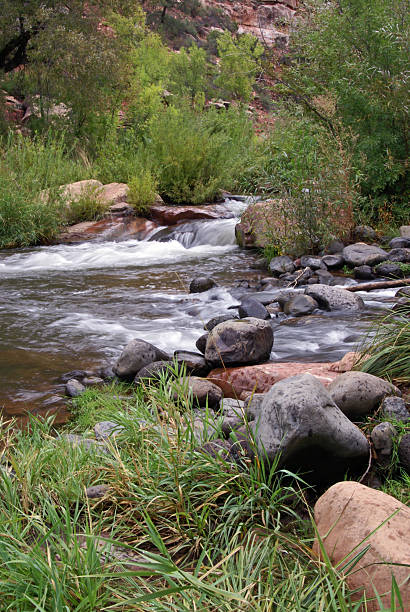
(74, 388)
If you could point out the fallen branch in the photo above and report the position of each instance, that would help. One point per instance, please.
(379, 285)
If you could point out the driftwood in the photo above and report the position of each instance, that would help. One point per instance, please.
(379, 285)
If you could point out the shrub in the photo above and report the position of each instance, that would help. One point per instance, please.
(88, 207)
(143, 189)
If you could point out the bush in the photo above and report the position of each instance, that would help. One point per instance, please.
(143, 190)
(88, 207)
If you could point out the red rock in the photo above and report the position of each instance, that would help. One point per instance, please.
(112, 228)
(351, 517)
(171, 215)
(239, 382)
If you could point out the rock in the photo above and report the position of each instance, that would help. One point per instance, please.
(203, 391)
(347, 363)
(324, 277)
(216, 448)
(243, 341)
(334, 298)
(135, 356)
(351, 517)
(105, 429)
(120, 209)
(73, 192)
(388, 270)
(361, 254)
(253, 308)
(300, 421)
(399, 243)
(206, 424)
(201, 343)
(113, 193)
(106, 373)
(335, 246)
(308, 261)
(404, 452)
(364, 233)
(240, 382)
(281, 264)
(87, 444)
(156, 370)
(111, 228)
(97, 491)
(201, 284)
(216, 320)
(405, 232)
(401, 255)
(382, 437)
(92, 381)
(394, 407)
(171, 215)
(74, 388)
(403, 292)
(253, 406)
(333, 261)
(358, 394)
(242, 444)
(78, 374)
(363, 273)
(194, 362)
(285, 296)
(300, 306)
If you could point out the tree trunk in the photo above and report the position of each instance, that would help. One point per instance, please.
(379, 285)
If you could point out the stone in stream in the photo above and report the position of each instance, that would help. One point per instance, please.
(394, 407)
(92, 381)
(333, 261)
(301, 425)
(335, 298)
(74, 388)
(281, 264)
(216, 320)
(361, 254)
(325, 277)
(300, 305)
(201, 284)
(309, 261)
(239, 342)
(252, 308)
(352, 518)
(358, 394)
(194, 362)
(135, 356)
(78, 374)
(201, 343)
(363, 273)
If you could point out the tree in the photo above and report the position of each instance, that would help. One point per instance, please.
(240, 62)
(350, 66)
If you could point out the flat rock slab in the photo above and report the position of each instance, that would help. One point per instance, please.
(239, 382)
(109, 228)
(345, 516)
(171, 215)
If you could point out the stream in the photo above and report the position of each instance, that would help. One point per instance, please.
(70, 307)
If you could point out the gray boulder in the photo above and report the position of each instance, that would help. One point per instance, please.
(334, 298)
(314, 263)
(388, 269)
(74, 388)
(299, 420)
(201, 343)
(253, 308)
(403, 292)
(363, 273)
(135, 356)
(333, 261)
(216, 320)
(394, 407)
(382, 437)
(281, 264)
(399, 243)
(358, 394)
(245, 341)
(201, 284)
(401, 255)
(300, 306)
(325, 277)
(253, 406)
(105, 429)
(335, 246)
(361, 254)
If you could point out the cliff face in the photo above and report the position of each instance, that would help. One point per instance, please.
(268, 20)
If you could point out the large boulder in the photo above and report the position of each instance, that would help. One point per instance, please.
(334, 298)
(361, 254)
(300, 421)
(135, 356)
(240, 381)
(351, 518)
(242, 341)
(113, 193)
(358, 394)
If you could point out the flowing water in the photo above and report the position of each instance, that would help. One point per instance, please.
(74, 307)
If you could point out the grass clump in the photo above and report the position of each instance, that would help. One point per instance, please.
(386, 349)
(176, 526)
(143, 191)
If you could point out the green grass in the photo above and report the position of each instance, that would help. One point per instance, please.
(224, 536)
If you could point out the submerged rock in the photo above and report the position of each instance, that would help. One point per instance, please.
(201, 284)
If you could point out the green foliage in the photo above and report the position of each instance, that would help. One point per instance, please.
(88, 207)
(386, 349)
(350, 62)
(239, 65)
(143, 190)
(189, 70)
